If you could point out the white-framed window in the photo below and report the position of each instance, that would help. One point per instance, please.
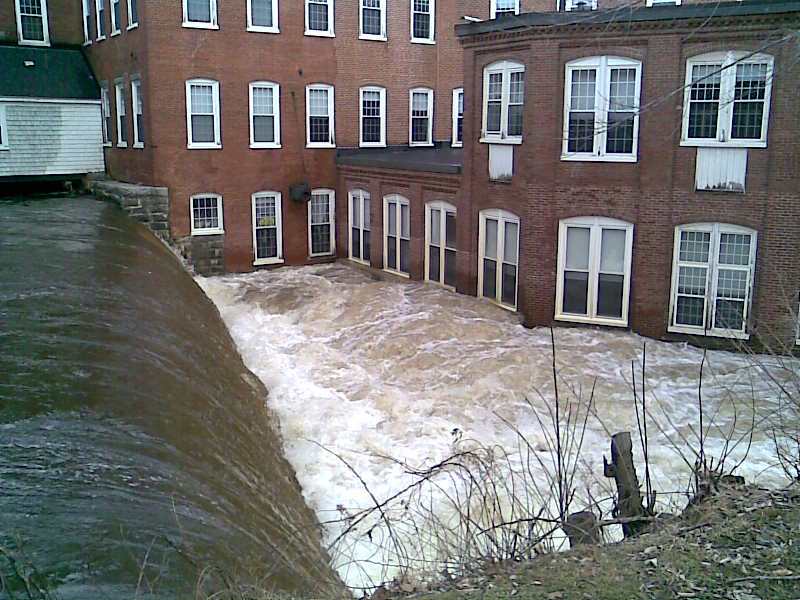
(319, 18)
(726, 100)
(373, 116)
(201, 14)
(138, 113)
(87, 21)
(458, 118)
(664, 2)
(265, 115)
(396, 234)
(499, 8)
(440, 243)
(320, 121)
(206, 214)
(797, 326)
(358, 208)
(116, 16)
(133, 14)
(32, 24)
(423, 21)
(267, 228)
(594, 270)
(601, 109)
(202, 114)
(100, 15)
(498, 257)
(3, 128)
(321, 223)
(122, 125)
(420, 118)
(712, 279)
(105, 105)
(372, 20)
(503, 102)
(580, 5)
(262, 16)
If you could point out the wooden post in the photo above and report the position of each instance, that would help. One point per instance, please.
(621, 468)
(582, 528)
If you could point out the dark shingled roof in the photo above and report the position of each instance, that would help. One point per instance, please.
(438, 159)
(630, 14)
(56, 73)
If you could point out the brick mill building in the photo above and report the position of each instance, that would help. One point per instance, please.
(623, 163)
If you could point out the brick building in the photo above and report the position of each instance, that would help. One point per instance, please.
(432, 139)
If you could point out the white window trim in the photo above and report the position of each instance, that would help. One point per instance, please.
(603, 66)
(506, 67)
(503, 217)
(351, 199)
(729, 61)
(428, 40)
(86, 11)
(596, 226)
(330, 32)
(420, 90)
(278, 228)
(493, 8)
(121, 110)
(569, 5)
(455, 143)
(260, 28)
(132, 24)
(331, 116)
(98, 18)
(399, 201)
(664, 2)
(276, 113)
(115, 29)
(382, 92)
(444, 207)
(715, 229)
(217, 143)
(4, 145)
(105, 111)
(213, 24)
(797, 326)
(136, 99)
(212, 230)
(369, 36)
(332, 211)
(45, 27)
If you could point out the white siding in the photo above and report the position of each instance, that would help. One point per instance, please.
(52, 138)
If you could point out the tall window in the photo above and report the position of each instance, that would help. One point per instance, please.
(726, 100)
(206, 214)
(458, 117)
(32, 25)
(440, 243)
(87, 22)
(265, 115)
(396, 234)
(319, 116)
(200, 13)
(133, 13)
(105, 103)
(420, 121)
(202, 113)
(594, 266)
(100, 13)
(262, 15)
(267, 228)
(319, 17)
(321, 211)
(499, 8)
(122, 127)
(498, 245)
(372, 19)
(423, 21)
(116, 16)
(138, 113)
(712, 279)
(503, 97)
(359, 207)
(3, 129)
(373, 116)
(601, 109)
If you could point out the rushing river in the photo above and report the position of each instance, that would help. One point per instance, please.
(135, 447)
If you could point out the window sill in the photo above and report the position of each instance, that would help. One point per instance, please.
(261, 262)
(420, 144)
(4, 148)
(423, 41)
(87, 43)
(325, 34)
(372, 38)
(260, 29)
(99, 38)
(457, 145)
(115, 33)
(138, 145)
(716, 144)
(590, 320)
(106, 144)
(359, 261)
(595, 158)
(398, 273)
(132, 26)
(321, 255)
(731, 335)
(204, 146)
(514, 141)
(191, 25)
(264, 146)
(372, 144)
(198, 232)
(500, 304)
(319, 145)
(33, 43)
(122, 145)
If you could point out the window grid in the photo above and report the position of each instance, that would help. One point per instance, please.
(202, 108)
(440, 239)
(359, 211)
(420, 118)
(105, 102)
(206, 214)
(458, 117)
(116, 16)
(32, 22)
(319, 108)
(422, 20)
(262, 15)
(319, 17)
(504, 95)
(372, 117)
(122, 127)
(397, 235)
(200, 13)
(373, 18)
(320, 222)
(267, 234)
(264, 115)
(138, 113)
(498, 265)
(101, 20)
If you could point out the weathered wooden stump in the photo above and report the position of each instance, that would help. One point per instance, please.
(629, 498)
(582, 528)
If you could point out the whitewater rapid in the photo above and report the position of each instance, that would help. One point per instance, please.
(370, 368)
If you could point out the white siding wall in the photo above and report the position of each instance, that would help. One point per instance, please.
(52, 138)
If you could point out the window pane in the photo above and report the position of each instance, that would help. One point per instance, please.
(199, 10)
(320, 239)
(371, 116)
(689, 311)
(450, 230)
(320, 209)
(371, 17)
(510, 243)
(392, 218)
(490, 242)
(729, 314)
(262, 12)
(692, 280)
(435, 223)
(433, 263)
(582, 91)
(355, 242)
(576, 289)
(493, 116)
(734, 249)
(450, 267)
(117, 14)
(263, 101)
(612, 251)
(202, 99)
(318, 102)
(320, 130)
(704, 101)
(749, 95)
(695, 246)
(366, 241)
(609, 295)
(318, 15)
(515, 119)
(405, 251)
(422, 19)
(577, 248)
(263, 129)
(267, 242)
(355, 213)
(619, 137)
(489, 278)
(205, 213)
(622, 91)
(509, 295)
(202, 128)
(405, 226)
(134, 16)
(581, 132)
(391, 252)
(366, 212)
(732, 284)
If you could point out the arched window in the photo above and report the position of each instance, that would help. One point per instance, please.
(503, 99)
(358, 209)
(498, 257)
(396, 234)
(440, 243)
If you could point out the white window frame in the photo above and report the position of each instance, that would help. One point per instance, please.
(356, 197)
(115, 28)
(217, 143)
(276, 114)
(664, 2)
(212, 24)
(506, 68)
(99, 11)
(331, 116)
(105, 112)
(493, 8)
(370, 36)
(429, 138)
(596, 225)
(276, 260)
(209, 230)
(136, 106)
(133, 24)
(4, 144)
(729, 60)
(603, 66)
(330, 32)
(569, 5)
(712, 267)
(121, 111)
(45, 26)
(502, 217)
(332, 223)
(382, 92)
(431, 39)
(260, 28)
(399, 201)
(86, 9)
(456, 143)
(444, 208)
